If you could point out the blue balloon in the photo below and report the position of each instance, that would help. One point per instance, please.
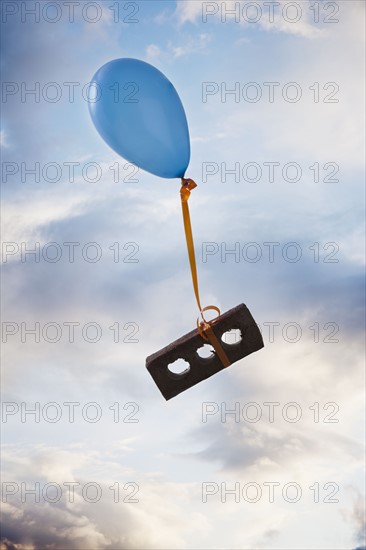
(138, 112)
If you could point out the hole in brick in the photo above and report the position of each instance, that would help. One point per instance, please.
(206, 351)
(232, 336)
(180, 366)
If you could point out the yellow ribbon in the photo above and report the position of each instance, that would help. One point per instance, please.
(204, 327)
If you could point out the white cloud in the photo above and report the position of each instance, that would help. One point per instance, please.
(188, 10)
(153, 52)
(356, 516)
(191, 45)
(3, 139)
(284, 13)
(317, 127)
(24, 220)
(152, 522)
(208, 138)
(283, 19)
(168, 514)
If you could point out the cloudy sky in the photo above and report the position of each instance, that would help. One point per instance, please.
(273, 94)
